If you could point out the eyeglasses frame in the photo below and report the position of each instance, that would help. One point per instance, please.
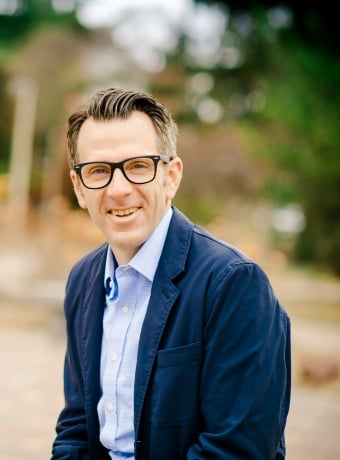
(119, 165)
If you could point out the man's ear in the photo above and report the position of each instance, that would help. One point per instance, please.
(78, 190)
(174, 177)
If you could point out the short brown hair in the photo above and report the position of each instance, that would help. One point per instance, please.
(120, 103)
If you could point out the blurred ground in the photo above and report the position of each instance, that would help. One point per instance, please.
(33, 268)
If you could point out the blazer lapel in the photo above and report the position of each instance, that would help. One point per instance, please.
(163, 295)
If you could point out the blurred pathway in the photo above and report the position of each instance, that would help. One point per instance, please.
(313, 429)
(31, 393)
(32, 349)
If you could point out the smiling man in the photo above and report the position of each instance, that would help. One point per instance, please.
(129, 207)
(177, 347)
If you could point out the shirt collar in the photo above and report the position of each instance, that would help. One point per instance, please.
(147, 258)
(145, 261)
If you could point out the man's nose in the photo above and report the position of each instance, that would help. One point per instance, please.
(119, 183)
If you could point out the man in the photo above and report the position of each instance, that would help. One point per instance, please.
(177, 347)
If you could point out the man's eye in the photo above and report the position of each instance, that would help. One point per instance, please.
(99, 170)
(138, 165)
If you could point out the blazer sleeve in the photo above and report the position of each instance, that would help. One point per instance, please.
(71, 442)
(245, 382)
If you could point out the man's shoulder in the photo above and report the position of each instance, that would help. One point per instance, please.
(93, 260)
(196, 247)
(92, 255)
(200, 244)
(214, 245)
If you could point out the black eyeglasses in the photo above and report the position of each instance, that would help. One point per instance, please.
(137, 170)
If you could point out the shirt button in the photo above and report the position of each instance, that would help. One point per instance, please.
(125, 309)
(114, 357)
(110, 407)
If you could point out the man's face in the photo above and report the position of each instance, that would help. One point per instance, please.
(126, 213)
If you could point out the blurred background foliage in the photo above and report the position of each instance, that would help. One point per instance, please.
(254, 86)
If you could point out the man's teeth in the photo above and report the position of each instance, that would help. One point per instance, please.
(123, 212)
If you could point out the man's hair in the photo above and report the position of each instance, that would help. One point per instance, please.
(116, 103)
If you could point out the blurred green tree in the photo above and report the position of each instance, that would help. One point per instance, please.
(316, 23)
(293, 70)
(5, 122)
(274, 78)
(39, 43)
(18, 18)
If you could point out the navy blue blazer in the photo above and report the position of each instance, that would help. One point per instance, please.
(213, 369)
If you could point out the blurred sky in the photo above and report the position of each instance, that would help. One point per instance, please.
(147, 29)
(106, 12)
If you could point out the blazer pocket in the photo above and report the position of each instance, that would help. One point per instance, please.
(179, 355)
(175, 386)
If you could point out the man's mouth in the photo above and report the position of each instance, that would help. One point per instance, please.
(123, 212)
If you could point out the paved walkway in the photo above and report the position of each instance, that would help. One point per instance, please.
(313, 429)
(32, 348)
(31, 392)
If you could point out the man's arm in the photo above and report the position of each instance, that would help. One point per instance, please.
(245, 386)
(71, 441)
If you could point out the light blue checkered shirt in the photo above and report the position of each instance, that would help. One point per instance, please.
(128, 289)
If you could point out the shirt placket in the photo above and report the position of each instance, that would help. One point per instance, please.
(122, 310)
